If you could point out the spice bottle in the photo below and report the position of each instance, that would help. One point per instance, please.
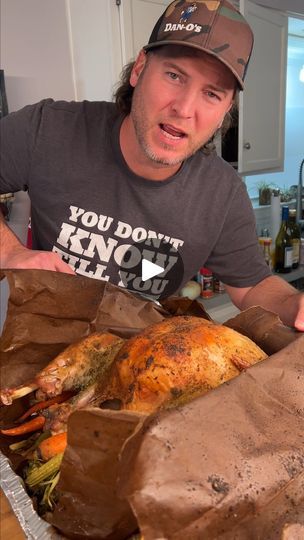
(218, 286)
(206, 283)
(267, 252)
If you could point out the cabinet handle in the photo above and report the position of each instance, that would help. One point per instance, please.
(247, 145)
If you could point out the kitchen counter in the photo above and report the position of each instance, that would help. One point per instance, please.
(220, 307)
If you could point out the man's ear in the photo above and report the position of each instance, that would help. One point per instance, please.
(139, 65)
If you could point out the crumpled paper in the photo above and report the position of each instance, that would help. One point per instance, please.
(48, 310)
(228, 465)
(263, 327)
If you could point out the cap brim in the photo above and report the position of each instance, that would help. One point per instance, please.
(199, 48)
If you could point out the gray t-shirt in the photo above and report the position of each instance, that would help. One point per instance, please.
(86, 203)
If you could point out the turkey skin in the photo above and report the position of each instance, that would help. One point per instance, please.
(171, 362)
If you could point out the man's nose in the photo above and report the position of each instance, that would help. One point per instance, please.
(184, 104)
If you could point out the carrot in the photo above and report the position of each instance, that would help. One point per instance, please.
(50, 447)
(33, 425)
(45, 404)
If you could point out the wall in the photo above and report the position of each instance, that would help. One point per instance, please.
(60, 49)
(35, 51)
(35, 54)
(64, 49)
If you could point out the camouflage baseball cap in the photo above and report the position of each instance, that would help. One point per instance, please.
(213, 26)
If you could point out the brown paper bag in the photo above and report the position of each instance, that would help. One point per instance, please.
(229, 465)
(48, 310)
(264, 328)
(216, 466)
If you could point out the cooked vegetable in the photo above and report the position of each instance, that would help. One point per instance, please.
(49, 495)
(40, 473)
(56, 417)
(33, 425)
(21, 445)
(50, 447)
(27, 446)
(45, 404)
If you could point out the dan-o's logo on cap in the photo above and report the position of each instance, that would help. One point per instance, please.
(171, 27)
(186, 13)
(183, 23)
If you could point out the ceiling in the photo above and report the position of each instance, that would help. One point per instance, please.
(291, 6)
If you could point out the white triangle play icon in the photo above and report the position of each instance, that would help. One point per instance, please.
(149, 270)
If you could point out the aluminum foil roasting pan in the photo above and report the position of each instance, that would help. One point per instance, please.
(33, 526)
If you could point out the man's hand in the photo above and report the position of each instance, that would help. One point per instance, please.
(24, 258)
(299, 320)
(14, 255)
(274, 294)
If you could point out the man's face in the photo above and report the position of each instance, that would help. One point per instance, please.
(180, 99)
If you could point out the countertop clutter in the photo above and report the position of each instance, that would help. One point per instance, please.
(220, 307)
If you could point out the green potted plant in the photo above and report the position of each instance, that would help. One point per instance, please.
(265, 190)
(286, 194)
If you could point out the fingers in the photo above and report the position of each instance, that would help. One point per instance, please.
(23, 258)
(61, 266)
(299, 325)
(50, 261)
(299, 320)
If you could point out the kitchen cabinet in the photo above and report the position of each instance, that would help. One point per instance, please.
(137, 19)
(260, 125)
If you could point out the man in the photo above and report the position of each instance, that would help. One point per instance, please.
(103, 176)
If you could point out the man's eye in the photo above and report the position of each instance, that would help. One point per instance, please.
(212, 95)
(172, 75)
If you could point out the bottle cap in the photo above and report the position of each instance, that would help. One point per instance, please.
(205, 271)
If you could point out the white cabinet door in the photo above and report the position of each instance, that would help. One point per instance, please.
(262, 104)
(138, 18)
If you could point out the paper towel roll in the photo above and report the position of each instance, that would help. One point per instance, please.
(275, 214)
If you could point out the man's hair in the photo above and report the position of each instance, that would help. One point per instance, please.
(123, 98)
(124, 90)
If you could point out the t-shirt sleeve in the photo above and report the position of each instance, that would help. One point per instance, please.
(236, 258)
(18, 135)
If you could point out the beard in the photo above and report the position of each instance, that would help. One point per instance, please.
(141, 126)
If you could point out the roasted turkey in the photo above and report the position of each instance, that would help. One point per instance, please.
(76, 367)
(171, 362)
(167, 364)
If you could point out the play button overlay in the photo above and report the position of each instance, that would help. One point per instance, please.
(152, 268)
